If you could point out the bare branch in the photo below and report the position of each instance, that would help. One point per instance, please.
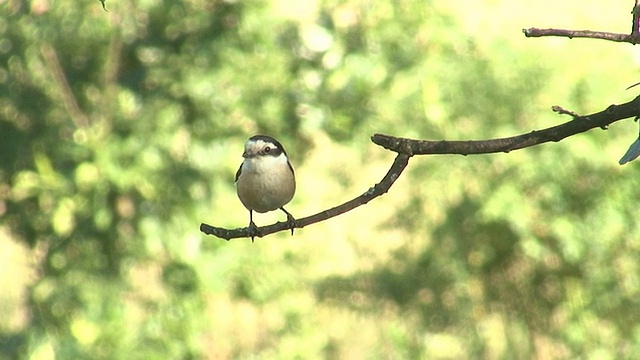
(632, 38)
(399, 164)
(560, 110)
(578, 125)
(629, 38)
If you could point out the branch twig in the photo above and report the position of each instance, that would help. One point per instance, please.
(629, 38)
(632, 38)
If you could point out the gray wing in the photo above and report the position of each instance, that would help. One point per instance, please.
(288, 163)
(238, 172)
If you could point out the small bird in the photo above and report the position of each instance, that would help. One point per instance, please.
(265, 180)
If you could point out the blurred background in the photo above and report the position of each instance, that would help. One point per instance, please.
(121, 131)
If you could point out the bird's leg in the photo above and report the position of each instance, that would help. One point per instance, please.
(291, 221)
(253, 229)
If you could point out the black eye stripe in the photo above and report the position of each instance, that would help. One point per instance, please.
(271, 150)
(273, 143)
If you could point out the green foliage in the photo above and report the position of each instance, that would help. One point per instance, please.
(120, 132)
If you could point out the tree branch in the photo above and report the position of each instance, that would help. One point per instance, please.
(406, 148)
(556, 133)
(632, 38)
(399, 164)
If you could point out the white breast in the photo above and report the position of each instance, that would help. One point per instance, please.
(265, 183)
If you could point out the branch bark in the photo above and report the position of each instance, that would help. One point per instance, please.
(556, 133)
(632, 38)
(617, 37)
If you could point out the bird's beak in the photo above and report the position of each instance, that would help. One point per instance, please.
(248, 154)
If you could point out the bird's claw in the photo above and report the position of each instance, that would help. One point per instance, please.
(291, 222)
(253, 231)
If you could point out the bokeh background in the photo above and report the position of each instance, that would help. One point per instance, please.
(121, 131)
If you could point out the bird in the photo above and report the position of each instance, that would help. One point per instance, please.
(265, 180)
